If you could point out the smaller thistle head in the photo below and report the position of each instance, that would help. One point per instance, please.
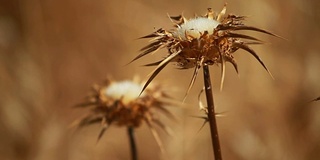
(119, 103)
(202, 40)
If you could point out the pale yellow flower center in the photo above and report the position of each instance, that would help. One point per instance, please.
(128, 91)
(195, 27)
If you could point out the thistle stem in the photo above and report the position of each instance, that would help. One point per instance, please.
(133, 147)
(211, 114)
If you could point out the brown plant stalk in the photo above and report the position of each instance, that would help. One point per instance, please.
(133, 147)
(211, 114)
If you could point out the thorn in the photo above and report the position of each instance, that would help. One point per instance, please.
(156, 136)
(201, 106)
(222, 13)
(317, 99)
(223, 69)
(105, 126)
(155, 72)
(253, 53)
(194, 77)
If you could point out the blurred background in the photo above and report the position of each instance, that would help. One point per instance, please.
(52, 51)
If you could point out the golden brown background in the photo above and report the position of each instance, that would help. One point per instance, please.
(52, 51)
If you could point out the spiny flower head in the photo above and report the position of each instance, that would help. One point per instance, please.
(202, 40)
(119, 103)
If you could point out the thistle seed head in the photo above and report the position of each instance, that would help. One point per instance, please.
(127, 91)
(195, 27)
(202, 40)
(119, 103)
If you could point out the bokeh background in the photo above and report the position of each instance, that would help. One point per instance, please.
(52, 51)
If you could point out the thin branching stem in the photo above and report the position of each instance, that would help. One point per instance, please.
(211, 114)
(133, 147)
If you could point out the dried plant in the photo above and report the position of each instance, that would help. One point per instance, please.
(202, 40)
(119, 103)
(199, 42)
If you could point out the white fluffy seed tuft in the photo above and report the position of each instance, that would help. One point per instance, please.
(194, 27)
(127, 91)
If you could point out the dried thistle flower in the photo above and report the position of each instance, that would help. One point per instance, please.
(119, 103)
(202, 40)
(198, 43)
